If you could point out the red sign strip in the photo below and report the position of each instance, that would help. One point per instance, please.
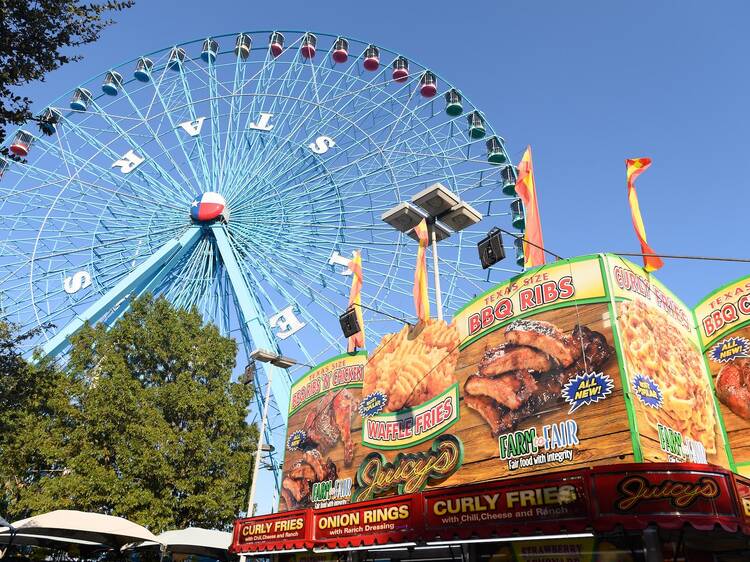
(386, 520)
(631, 496)
(557, 501)
(279, 531)
(669, 495)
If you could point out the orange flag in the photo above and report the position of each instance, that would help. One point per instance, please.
(635, 168)
(526, 190)
(421, 298)
(355, 301)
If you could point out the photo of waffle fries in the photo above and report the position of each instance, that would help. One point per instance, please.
(413, 365)
(655, 346)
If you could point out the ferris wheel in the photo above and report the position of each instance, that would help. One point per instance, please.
(238, 174)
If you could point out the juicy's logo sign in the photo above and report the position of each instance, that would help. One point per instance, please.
(408, 473)
(635, 490)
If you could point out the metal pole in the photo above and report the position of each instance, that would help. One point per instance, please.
(438, 295)
(258, 451)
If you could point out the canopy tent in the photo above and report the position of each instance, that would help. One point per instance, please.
(68, 526)
(61, 543)
(194, 540)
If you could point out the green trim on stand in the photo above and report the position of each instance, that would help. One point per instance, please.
(635, 435)
(717, 405)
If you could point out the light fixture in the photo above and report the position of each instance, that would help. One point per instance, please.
(436, 199)
(445, 214)
(392, 546)
(266, 356)
(381, 547)
(491, 248)
(349, 323)
(511, 539)
(403, 217)
(248, 374)
(461, 216)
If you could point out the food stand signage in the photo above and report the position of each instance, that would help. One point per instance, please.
(630, 496)
(498, 503)
(723, 320)
(367, 522)
(578, 363)
(664, 493)
(675, 416)
(281, 530)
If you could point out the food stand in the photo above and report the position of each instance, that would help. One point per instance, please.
(567, 414)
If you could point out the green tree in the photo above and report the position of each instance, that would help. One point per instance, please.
(35, 38)
(145, 424)
(26, 395)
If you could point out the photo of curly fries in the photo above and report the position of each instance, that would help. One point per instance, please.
(413, 365)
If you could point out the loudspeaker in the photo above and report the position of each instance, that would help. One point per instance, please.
(249, 375)
(491, 248)
(349, 323)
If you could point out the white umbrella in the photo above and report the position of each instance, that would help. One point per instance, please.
(194, 540)
(82, 526)
(47, 541)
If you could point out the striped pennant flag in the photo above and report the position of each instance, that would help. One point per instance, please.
(355, 301)
(635, 167)
(421, 298)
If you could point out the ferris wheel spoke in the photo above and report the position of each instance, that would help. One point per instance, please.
(320, 299)
(153, 162)
(105, 148)
(233, 138)
(165, 100)
(48, 178)
(252, 317)
(285, 295)
(157, 138)
(151, 186)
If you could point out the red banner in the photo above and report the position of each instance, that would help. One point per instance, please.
(480, 509)
(667, 494)
(631, 496)
(279, 531)
(365, 523)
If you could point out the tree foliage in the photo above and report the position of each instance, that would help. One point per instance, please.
(144, 423)
(35, 38)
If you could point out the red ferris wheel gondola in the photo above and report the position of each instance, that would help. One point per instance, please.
(400, 69)
(340, 52)
(372, 58)
(307, 49)
(428, 84)
(276, 43)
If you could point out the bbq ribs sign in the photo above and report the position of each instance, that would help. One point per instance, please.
(723, 320)
(538, 374)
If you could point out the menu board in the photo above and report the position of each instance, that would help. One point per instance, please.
(524, 379)
(723, 320)
(676, 417)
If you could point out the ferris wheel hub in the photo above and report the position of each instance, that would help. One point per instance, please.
(209, 206)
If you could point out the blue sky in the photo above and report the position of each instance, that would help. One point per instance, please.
(586, 83)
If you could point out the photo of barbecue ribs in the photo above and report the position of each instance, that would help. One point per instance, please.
(526, 373)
